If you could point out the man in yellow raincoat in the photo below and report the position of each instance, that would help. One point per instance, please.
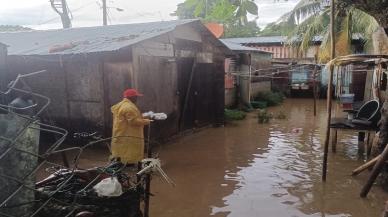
(128, 129)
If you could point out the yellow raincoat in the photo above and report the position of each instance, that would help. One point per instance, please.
(128, 127)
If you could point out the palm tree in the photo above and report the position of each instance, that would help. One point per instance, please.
(312, 18)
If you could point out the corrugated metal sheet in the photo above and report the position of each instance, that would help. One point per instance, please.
(240, 48)
(276, 39)
(266, 40)
(85, 39)
(258, 40)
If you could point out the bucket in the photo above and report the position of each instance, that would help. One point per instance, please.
(370, 111)
(347, 98)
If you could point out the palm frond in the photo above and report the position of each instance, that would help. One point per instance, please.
(303, 10)
(344, 36)
(324, 49)
(350, 22)
(364, 25)
(308, 31)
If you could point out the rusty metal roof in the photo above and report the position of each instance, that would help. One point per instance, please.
(85, 39)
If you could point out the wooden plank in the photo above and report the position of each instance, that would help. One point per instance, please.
(151, 48)
(118, 76)
(157, 80)
(52, 84)
(84, 80)
(365, 166)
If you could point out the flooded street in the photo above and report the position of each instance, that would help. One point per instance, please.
(272, 170)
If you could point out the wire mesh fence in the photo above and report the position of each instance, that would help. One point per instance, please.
(68, 191)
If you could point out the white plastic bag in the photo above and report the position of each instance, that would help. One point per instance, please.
(155, 116)
(109, 187)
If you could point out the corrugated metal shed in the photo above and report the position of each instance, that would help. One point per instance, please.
(85, 39)
(240, 48)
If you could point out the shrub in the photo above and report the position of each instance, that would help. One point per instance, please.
(272, 98)
(259, 104)
(263, 116)
(232, 115)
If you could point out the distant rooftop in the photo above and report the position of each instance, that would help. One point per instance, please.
(274, 39)
(240, 48)
(85, 39)
(264, 40)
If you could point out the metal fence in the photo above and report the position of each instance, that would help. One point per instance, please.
(68, 191)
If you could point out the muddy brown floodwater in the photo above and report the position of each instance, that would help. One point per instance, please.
(248, 169)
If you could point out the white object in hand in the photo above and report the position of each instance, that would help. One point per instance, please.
(109, 187)
(155, 116)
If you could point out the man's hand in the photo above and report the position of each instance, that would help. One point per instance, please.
(147, 121)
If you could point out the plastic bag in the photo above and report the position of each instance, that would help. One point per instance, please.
(109, 187)
(155, 116)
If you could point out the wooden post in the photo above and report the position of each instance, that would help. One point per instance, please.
(368, 146)
(147, 189)
(329, 91)
(334, 141)
(327, 138)
(361, 143)
(315, 90)
(375, 172)
(385, 214)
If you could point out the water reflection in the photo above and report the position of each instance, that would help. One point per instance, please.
(250, 169)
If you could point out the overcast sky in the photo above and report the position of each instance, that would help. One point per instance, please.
(39, 15)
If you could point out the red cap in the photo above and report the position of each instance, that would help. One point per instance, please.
(131, 93)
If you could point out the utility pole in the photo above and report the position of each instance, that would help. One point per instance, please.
(60, 7)
(104, 13)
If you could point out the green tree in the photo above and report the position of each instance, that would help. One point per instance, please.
(13, 28)
(375, 8)
(232, 14)
(223, 12)
(249, 30)
(191, 9)
(278, 29)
